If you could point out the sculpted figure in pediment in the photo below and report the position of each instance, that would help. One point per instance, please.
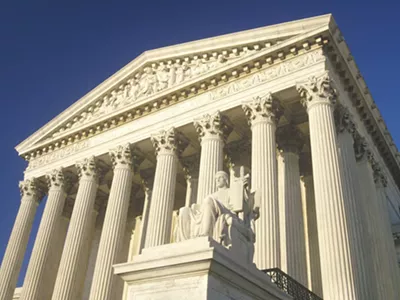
(198, 67)
(112, 98)
(152, 80)
(182, 71)
(172, 75)
(227, 216)
(120, 96)
(218, 61)
(133, 89)
(148, 82)
(162, 77)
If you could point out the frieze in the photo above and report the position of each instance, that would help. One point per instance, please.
(268, 74)
(153, 79)
(57, 154)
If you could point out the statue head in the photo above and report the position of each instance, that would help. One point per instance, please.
(222, 179)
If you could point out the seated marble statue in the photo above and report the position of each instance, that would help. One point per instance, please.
(227, 216)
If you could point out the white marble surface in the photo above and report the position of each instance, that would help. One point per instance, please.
(194, 269)
(271, 59)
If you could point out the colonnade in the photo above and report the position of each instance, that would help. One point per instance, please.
(345, 221)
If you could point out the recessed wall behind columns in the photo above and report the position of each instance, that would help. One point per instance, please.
(278, 77)
(344, 99)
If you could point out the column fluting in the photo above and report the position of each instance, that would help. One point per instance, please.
(145, 218)
(386, 229)
(57, 246)
(35, 284)
(354, 215)
(211, 129)
(263, 113)
(293, 245)
(93, 252)
(112, 236)
(333, 230)
(73, 261)
(310, 218)
(168, 146)
(16, 247)
(379, 263)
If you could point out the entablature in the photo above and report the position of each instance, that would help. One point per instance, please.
(354, 85)
(95, 123)
(145, 88)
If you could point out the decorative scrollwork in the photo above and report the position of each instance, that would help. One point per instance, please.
(56, 179)
(87, 168)
(264, 107)
(30, 188)
(212, 125)
(121, 155)
(317, 89)
(169, 141)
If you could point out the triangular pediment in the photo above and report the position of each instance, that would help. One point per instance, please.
(166, 69)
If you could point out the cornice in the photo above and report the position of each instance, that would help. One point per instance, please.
(274, 33)
(356, 88)
(265, 57)
(261, 59)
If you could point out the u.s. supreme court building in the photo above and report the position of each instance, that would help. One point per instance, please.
(137, 205)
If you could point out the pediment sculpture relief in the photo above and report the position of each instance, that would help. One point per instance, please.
(227, 216)
(152, 79)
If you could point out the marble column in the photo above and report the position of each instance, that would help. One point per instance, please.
(134, 246)
(311, 230)
(74, 261)
(354, 215)
(15, 251)
(56, 250)
(145, 217)
(337, 270)
(263, 113)
(113, 232)
(93, 250)
(87, 251)
(211, 129)
(191, 171)
(386, 228)
(381, 268)
(168, 146)
(120, 286)
(35, 285)
(293, 245)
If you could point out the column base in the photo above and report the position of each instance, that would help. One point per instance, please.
(196, 269)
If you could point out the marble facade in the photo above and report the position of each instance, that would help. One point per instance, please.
(287, 102)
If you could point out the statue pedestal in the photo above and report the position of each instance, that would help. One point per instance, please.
(196, 269)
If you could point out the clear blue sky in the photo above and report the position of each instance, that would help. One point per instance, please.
(51, 54)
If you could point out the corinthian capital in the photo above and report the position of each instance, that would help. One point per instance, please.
(56, 180)
(290, 138)
(262, 108)
(317, 89)
(121, 156)
(212, 125)
(30, 188)
(169, 142)
(87, 168)
(343, 120)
